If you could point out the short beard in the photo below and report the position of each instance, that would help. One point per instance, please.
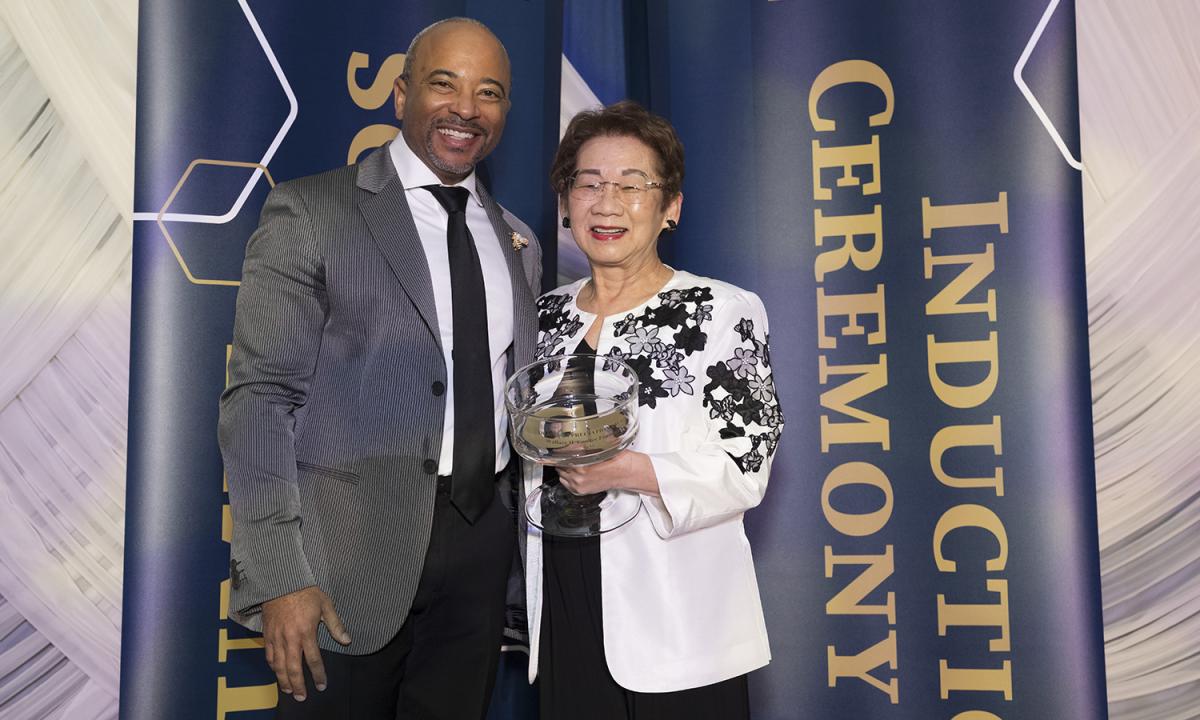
(440, 163)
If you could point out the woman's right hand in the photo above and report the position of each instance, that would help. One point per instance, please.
(628, 470)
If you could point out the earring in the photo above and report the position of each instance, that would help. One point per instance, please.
(671, 225)
(566, 221)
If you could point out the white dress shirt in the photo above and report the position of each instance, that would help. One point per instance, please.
(431, 220)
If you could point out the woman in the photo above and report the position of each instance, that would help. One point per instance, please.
(660, 619)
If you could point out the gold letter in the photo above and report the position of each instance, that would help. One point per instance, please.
(847, 227)
(967, 351)
(935, 217)
(948, 301)
(372, 136)
(375, 96)
(975, 715)
(225, 587)
(964, 516)
(967, 436)
(861, 665)
(224, 645)
(852, 306)
(978, 615)
(849, 601)
(848, 71)
(869, 428)
(976, 679)
(856, 524)
(243, 699)
(845, 157)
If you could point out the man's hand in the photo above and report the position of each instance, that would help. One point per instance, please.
(290, 632)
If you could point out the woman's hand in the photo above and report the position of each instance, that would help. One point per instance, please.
(628, 470)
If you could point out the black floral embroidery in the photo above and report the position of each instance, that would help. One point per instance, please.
(669, 315)
(667, 357)
(664, 334)
(555, 324)
(650, 389)
(741, 392)
(623, 325)
(763, 350)
(615, 354)
(690, 339)
(654, 342)
(551, 303)
(745, 329)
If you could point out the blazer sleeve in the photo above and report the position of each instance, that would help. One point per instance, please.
(281, 308)
(722, 469)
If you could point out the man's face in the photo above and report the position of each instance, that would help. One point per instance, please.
(455, 99)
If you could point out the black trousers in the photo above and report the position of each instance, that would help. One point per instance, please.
(442, 663)
(572, 668)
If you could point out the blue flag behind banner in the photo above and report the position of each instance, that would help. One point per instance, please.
(898, 181)
(234, 96)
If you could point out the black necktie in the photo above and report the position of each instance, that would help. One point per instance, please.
(472, 485)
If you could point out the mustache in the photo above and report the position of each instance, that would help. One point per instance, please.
(461, 125)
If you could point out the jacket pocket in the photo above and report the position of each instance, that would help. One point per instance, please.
(332, 473)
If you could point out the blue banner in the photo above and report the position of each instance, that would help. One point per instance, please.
(899, 182)
(234, 96)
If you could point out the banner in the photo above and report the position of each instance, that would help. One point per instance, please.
(899, 182)
(233, 97)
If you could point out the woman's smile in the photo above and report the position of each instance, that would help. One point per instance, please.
(606, 233)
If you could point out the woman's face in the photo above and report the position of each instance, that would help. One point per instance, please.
(619, 228)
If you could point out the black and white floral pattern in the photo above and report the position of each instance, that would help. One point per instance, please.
(555, 324)
(656, 341)
(741, 392)
(660, 339)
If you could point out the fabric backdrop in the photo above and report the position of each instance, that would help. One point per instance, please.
(66, 159)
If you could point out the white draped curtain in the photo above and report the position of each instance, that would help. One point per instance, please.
(1139, 68)
(67, 71)
(67, 82)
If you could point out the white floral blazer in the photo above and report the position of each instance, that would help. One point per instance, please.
(679, 593)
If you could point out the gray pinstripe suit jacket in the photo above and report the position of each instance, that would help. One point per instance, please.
(330, 428)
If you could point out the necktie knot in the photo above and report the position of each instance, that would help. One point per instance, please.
(453, 199)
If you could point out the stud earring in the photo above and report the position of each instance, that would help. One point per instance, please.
(566, 221)
(671, 225)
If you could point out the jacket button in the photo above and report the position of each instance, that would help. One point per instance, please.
(430, 467)
(439, 387)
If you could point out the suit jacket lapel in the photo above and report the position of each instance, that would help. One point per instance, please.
(391, 224)
(524, 318)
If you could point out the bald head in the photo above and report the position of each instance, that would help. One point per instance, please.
(411, 57)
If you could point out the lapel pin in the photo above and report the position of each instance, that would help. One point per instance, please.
(519, 241)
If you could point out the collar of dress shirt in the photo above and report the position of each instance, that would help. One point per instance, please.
(414, 173)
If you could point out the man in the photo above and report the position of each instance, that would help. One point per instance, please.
(382, 306)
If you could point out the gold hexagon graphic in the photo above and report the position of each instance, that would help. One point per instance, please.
(171, 198)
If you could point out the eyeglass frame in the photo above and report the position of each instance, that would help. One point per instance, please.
(617, 186)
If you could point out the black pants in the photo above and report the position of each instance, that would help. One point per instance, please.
(572, 668)
(442, 663)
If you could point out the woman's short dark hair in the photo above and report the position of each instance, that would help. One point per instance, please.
(622, 119)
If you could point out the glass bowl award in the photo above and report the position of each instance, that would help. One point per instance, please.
(571, 410)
